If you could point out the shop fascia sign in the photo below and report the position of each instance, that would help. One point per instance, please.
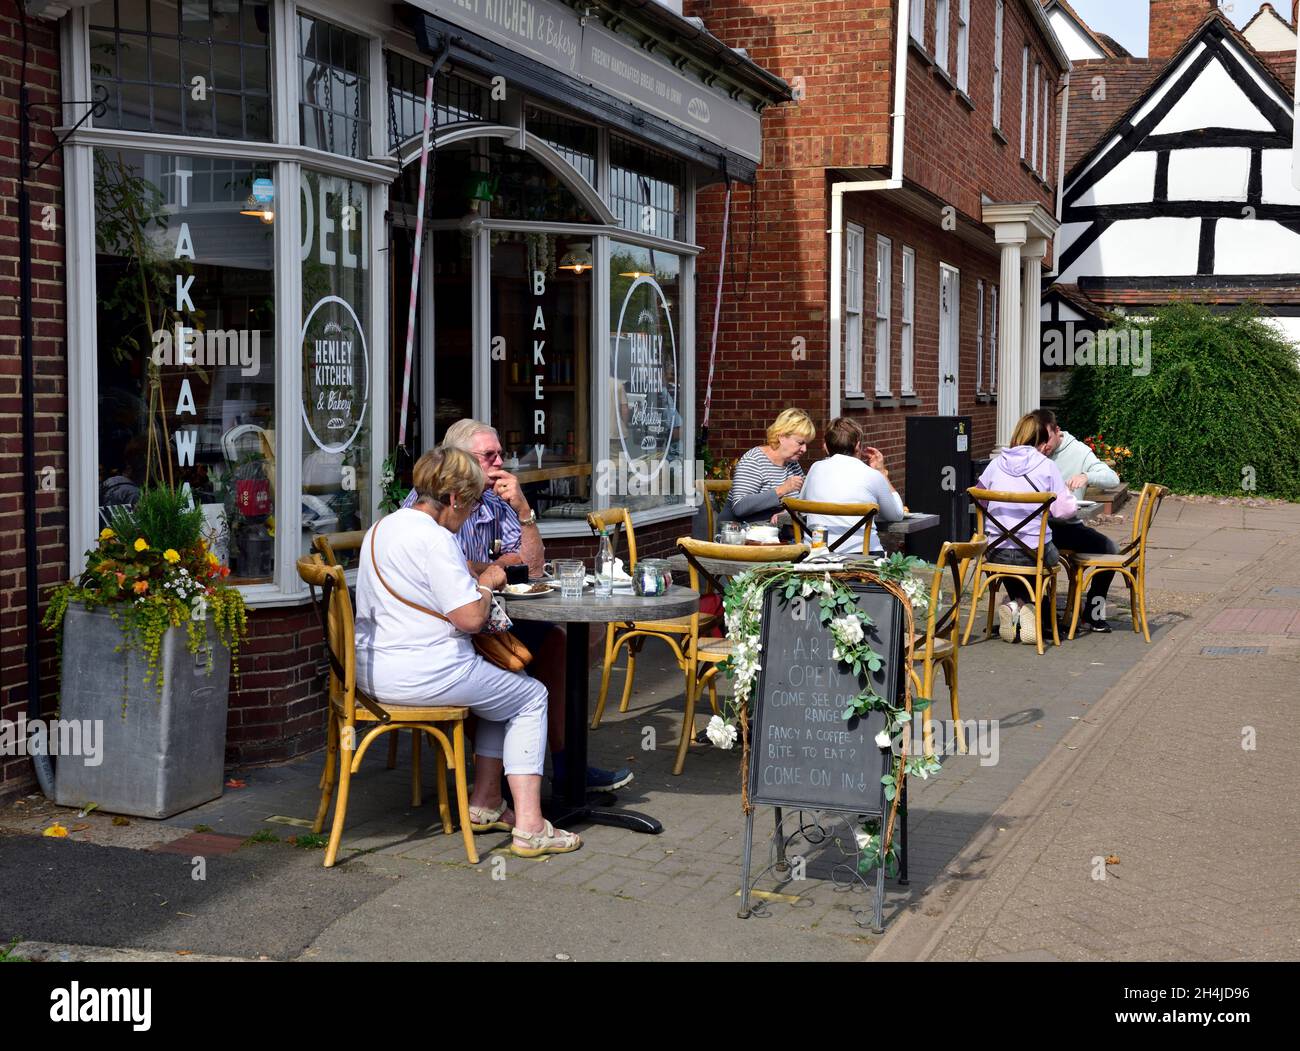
(552, 34)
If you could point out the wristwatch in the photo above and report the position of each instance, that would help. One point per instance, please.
(530, 520)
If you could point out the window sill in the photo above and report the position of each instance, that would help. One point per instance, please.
(268, 596)
(919, 48)
(942, 74)
(857, 401)
(909, 401)
(986, 399)
(997, 134)
(886, 401)
(965, 100)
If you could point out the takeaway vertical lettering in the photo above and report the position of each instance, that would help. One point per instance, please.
(187, 440)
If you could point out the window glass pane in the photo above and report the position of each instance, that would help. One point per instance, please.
(541, 292)
(645, 467)
(572, 140)
(645, 189)
(226, 44)
(521, 186)
(335, 106)
(185, 291)
(336, 410)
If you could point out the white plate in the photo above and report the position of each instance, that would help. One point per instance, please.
(523, 590)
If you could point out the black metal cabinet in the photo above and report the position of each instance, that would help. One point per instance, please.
(938, 475)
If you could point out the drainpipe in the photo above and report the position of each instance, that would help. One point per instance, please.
(839, 189)
(1060, 176)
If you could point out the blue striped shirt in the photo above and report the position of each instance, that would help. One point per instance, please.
(494, 519)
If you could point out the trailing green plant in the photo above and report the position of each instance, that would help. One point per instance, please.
(1217, 412)
(152, 571)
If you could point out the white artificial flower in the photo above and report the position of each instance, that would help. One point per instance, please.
(847, 629)
(864, 838)
(883, 739)
(722, 734)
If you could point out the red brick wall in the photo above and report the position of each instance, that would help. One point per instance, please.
(50, 367)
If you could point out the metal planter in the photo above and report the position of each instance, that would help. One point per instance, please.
(166, 752)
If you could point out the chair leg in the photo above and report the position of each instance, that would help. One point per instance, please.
(993, 605)
(927, 691)
(1039, 586)
(713, 691)
(1142, 602)
(974, 611)
(950, 675)
(440, 772)
(462, 791)
(417, 788)
(632, 648)
(341, 804)
(392, 751)
(327, 775)
(1051, 608)
(688, 722)
(1077, 583)
(604, 676)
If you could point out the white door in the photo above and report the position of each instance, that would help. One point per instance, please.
(949, 333)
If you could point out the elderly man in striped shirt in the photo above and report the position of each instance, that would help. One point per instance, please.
(503, 531)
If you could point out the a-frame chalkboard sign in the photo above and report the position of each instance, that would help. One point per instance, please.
(803, 754)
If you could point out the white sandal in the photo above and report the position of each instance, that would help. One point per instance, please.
(550, 840)
(488, 819)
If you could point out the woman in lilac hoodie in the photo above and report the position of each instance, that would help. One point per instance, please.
(1023, 467)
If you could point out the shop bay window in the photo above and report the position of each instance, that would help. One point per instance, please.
(185, 343)
(334, 102)
(336, 389)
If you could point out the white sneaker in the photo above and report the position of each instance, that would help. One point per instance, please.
(1029, 625)
(1008, 617)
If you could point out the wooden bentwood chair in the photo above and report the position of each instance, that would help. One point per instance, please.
(938, 646)
(331, 546)
(1040, 578)
(1130, 561)
(865, 514)
(715, 493)
(704, 653)
(634, 635)
(349, 708)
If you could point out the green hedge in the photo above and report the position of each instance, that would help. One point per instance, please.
(1218, 411)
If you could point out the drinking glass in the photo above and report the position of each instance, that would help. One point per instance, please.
(572, 573)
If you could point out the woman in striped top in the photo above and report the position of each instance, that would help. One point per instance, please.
(769, 472)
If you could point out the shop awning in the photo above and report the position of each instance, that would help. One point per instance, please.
(628, 63)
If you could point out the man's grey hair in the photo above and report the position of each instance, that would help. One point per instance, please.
(460, 435)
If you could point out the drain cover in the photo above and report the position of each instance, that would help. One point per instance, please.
(1233, 651)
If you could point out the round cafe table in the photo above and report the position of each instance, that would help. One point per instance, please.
(569, 804)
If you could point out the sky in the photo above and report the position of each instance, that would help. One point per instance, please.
(1126, 20)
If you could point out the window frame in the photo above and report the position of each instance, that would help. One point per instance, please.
(907, 325)
(963, 45)
(993, 339)
(884, 311)
(916, 18)
(999, 17)
(979, 336)
(1033, 146)
(941, 30)
(1024, 98)
(1047, 121)
(854, 235)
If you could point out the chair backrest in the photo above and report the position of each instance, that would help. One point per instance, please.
(756, 553)
(331, 545)
(621, 521)
(715, 492)
(989, 526)
(1147, 505)
(955, 559)
(335, 610)
(864, 513)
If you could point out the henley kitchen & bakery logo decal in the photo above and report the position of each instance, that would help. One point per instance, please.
(336, 381)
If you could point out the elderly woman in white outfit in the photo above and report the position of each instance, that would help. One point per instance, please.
(408, 656)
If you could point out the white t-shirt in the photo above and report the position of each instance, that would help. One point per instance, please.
(404, 654)
(841, 479)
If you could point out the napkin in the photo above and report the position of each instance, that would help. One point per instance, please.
(621, 576)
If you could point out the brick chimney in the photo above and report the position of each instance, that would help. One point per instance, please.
(1171, 22)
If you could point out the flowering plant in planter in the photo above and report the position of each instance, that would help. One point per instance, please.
(152, 569)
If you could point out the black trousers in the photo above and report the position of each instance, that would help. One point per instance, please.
(1075, 536)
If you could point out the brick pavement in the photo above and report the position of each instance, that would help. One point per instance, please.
(1185, 773)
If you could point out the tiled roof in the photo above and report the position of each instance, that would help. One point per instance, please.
(1267, 295)
(1077, 299)
(1123, 81)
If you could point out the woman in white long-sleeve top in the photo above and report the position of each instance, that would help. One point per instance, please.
(843, 478)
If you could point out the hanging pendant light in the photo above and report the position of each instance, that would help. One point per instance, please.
(578, 258)
(258, 210)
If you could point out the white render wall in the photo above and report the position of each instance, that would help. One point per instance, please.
(1245, 246)
(1141, 248)
(1214, 174)
(1213, 101)
(1131, 181)
(1076, 44)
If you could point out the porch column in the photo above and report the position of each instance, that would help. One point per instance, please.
(1031, 294)
(1010, 236)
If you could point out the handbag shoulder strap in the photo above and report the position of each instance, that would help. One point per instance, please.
(374, 535)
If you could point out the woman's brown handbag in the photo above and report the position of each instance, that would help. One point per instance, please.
(500, 649)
